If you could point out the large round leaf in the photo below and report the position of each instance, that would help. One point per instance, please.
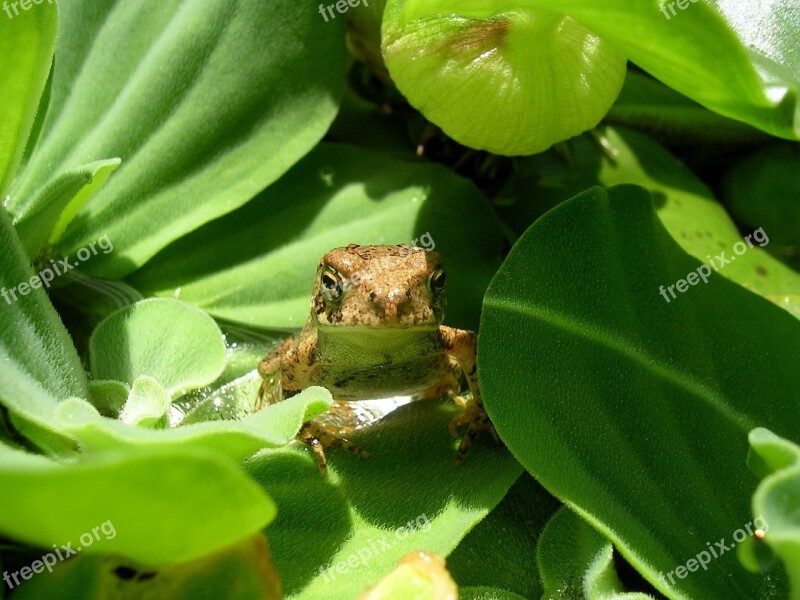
(487, 75)
(633, 410)
(172, 342)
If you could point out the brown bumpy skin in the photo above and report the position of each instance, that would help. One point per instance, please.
(375, 331)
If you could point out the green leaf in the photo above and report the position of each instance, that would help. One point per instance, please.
(192, 501)
(258, 264)
(685, 205)
(522, 63)
(147, 404)
(241, 572)
(409, 481)
(362, 123)
(777, 498)
(232, 395)
(500, 551)
(272, 427)
(487, 593)
(206, 103)
(40, 363)
(648, 105)
(108, 397)
(739, 60)
(58, 202)
(762, 191)
(176, 344)
(609, 395)
(27, 39)
(364, 35)
(576, 562)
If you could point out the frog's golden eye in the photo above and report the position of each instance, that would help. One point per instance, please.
(437, 281)
(331, 283)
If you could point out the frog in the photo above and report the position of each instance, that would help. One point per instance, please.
(375, 330)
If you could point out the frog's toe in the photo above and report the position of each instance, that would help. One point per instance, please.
(478, 420)
(318, 451)
(318, 437)
(460, 402)
(463, 418)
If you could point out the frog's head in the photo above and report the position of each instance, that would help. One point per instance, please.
(377, 286)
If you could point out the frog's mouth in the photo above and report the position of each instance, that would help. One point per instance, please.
(337, 318)
(372, 328)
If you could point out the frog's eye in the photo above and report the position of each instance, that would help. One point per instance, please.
(331, 283)
(437, 281)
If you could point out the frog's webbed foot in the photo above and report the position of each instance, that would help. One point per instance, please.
(475, 416)
(319, 436)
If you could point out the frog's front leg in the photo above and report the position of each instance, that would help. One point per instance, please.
(271, 390)
(462, 345)
(288, 370)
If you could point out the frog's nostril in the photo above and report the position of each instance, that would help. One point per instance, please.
(389, 305)
(391, 311)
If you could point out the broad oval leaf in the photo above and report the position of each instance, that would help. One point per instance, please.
(257, 265)
(176, 344)
(242, 91)
(191, 500)
(632, 409)
(685, 205)
(58, 201)
(147, 404)
(406, 496)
